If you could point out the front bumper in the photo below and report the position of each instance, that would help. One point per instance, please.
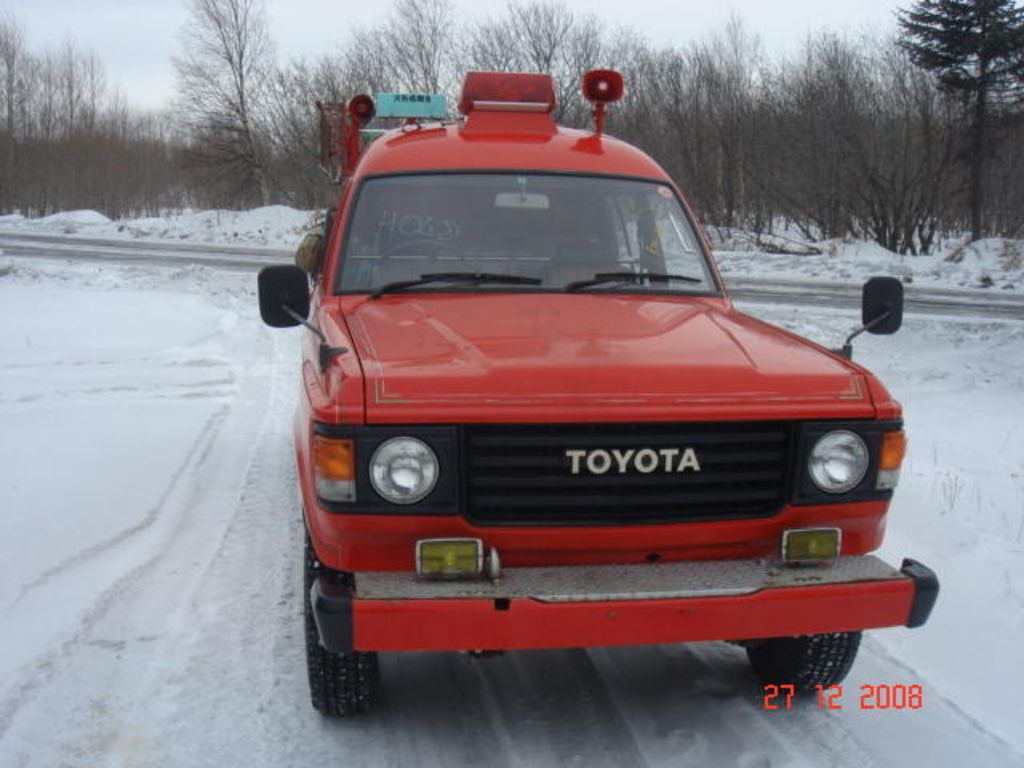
(570, 607)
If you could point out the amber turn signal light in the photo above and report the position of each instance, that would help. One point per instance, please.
(890, 458)
(334, 462)
(894, 448)
(335, 459)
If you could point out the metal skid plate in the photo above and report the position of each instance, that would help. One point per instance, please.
(706, 578)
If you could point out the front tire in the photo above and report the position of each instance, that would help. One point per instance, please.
(804, 662)
(340, 684)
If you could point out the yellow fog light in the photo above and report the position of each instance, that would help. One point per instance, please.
(449, 558)
(811, 545)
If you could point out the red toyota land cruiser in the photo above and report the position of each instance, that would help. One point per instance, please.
(530, 416)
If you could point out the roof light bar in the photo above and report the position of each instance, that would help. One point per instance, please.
(511, 106)
(516, 92)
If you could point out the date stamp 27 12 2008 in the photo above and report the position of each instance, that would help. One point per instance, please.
(881, 697)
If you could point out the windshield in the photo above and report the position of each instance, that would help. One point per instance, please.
(558, 229)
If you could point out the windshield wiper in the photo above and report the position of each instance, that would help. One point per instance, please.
(629, 277)
(472, 278)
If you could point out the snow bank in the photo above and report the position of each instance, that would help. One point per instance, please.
(63, 223)
(994, 263)
(74, 219)
(272, 225)
(275, 225)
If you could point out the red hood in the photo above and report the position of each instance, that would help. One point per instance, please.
(557, 357)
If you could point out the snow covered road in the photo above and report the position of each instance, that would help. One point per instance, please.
(150, 587)
(764, 287)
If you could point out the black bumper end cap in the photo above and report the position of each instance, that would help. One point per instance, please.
(926, 591)
(332, 611)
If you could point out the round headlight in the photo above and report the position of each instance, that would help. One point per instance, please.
(404, 470)
(838, 461)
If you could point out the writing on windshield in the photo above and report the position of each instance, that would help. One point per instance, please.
(555, 229)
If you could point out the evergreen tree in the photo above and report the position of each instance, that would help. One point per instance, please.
(976, 49)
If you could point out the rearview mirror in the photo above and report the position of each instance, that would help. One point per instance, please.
(524, 200)
(284, 296)
(882, 305)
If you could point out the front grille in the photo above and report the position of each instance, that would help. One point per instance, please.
(520, 474)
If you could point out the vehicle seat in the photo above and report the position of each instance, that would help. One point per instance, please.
(581, 260)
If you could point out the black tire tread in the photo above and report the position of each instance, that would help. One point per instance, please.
(805, 662)
(340, 684)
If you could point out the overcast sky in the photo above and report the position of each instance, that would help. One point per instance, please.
(136, 38)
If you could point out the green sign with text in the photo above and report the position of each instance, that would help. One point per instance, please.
(416, 105)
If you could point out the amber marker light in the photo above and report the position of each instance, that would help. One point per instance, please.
(334, 461)
(890, 459)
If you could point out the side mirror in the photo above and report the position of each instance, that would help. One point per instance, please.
(284, 296)
(881, 311)
(882, 305)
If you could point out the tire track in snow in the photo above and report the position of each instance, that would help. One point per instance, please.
(43, 667)
(162, 361)
(703, 700)
(138, 591)
(529, 708)
(248, 568)
(695, 704)
(879, 650)
(561, 705)
(205, 624)
(243, 660)
(83, 557)
(211, 389)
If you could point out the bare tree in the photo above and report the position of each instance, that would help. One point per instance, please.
(12, 43)
(902, 163)
(847, 139)
(419, 37)
(411, 50)
(71, 77)
(94, 83)
(222, 77)
(293, 132)
(370, 67)
(728, 66)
